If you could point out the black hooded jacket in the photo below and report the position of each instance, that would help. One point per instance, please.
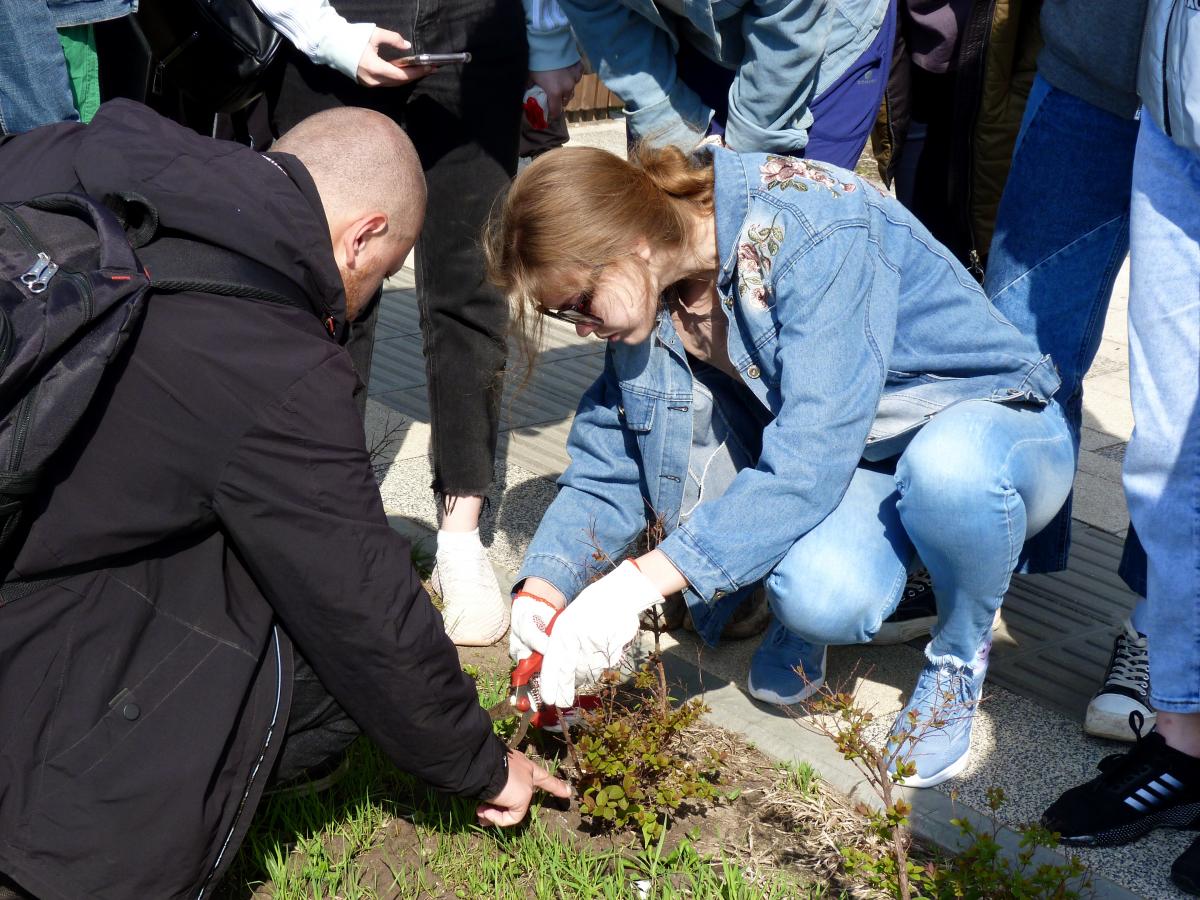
(217, 504)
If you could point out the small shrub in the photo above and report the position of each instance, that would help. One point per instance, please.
(635, 769)
(981, 870)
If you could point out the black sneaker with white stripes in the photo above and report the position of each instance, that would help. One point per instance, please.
(1150, 786)
(1126, 689)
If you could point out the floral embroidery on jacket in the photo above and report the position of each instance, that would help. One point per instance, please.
(791, 172)
(754, 258)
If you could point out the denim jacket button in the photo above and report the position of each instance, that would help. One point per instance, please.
(621, 411)
(728, 303)
(717, 595)
(753, 371)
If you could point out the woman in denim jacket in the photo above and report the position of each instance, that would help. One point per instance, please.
(805, 389)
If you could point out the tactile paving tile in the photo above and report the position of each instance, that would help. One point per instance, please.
(1114, 452)
(396, 364)
(1057, 630)
(398, 315)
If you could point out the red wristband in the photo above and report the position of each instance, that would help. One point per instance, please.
(533, 596)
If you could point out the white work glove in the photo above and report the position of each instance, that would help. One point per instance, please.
(592, 632)
(531, 617)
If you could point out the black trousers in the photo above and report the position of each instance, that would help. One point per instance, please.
(318, 728)
(464, 121)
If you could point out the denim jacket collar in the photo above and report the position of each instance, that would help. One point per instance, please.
(731, 205)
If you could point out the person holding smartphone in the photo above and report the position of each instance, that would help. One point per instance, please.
(464, 120)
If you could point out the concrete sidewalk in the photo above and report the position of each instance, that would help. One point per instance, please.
(1050, 650)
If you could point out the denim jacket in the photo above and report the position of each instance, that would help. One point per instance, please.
(847, 321)
(786, 53)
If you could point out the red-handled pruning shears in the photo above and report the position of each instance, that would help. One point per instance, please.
(524, 699)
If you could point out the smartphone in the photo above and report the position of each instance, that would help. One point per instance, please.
(432, 59)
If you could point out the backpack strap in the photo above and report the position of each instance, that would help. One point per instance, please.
(177, 264)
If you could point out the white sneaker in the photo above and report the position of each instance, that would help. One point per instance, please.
(1126, 689)
(475, 612)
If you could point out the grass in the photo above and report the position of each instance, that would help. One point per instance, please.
(320, 846)
(382, 834)
(800, 777)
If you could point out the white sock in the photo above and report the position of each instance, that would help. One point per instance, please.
(459, 541)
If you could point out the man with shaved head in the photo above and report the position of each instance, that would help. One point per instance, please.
(371, 187)
(208, 599)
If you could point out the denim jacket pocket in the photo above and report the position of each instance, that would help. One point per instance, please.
(636, 410)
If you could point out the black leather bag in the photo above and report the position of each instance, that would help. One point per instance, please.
(217, 53)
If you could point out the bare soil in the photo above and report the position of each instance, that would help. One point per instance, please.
(766, 826)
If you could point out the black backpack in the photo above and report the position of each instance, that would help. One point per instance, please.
(219, 53)
(72, 292)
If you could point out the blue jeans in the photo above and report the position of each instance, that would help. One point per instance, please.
(1062, 232)
(34, 86)
(964, 495)
(1162, 464)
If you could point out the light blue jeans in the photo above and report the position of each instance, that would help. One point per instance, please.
(965, 494)
(968, 490)
(1162, 464)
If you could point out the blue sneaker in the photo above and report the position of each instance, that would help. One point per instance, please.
(934, 730)
(773, 676)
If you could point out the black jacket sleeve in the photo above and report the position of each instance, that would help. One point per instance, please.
(299, 501)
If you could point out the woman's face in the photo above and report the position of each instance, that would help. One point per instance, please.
(623, 296)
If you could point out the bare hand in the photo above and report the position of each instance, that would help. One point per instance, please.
(559, 85)
(375, 71)
(510, 805)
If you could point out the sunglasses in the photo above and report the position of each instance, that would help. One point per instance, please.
(575, 312)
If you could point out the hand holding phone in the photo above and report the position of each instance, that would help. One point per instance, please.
(432, 59)
(374, 69)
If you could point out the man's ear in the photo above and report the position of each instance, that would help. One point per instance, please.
(357, 236)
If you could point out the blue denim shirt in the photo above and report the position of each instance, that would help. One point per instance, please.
(786, 53)
(847, 321)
